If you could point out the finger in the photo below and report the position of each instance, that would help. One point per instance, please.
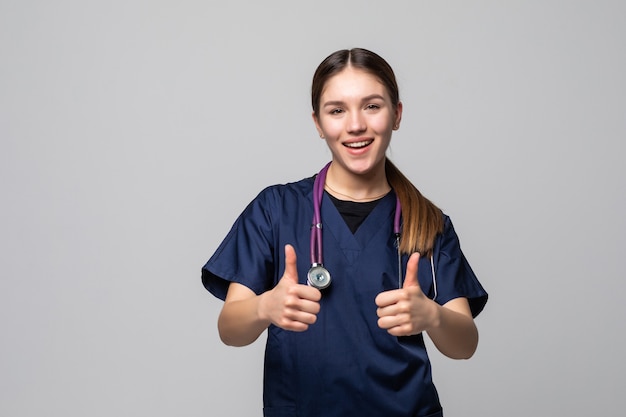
(386, 298)
(306, 308)
(399, 331)
(387, 323)
(308, 293)
(410, 280)
(395, 325)
(291, 270)
(295, 325)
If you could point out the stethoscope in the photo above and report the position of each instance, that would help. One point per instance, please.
(318, 276)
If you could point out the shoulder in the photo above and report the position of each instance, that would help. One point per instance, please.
(447, 222)
(276, 198)
(448, 232)
(279, 192)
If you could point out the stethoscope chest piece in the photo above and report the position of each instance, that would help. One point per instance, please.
(318, 277)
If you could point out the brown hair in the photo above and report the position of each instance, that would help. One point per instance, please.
(422, 220)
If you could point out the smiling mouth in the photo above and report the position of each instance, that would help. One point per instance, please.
(358, 145)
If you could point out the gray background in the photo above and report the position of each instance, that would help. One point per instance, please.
(134, 132)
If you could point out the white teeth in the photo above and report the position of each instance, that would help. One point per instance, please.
(358, 144)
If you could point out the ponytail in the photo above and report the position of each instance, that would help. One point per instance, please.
(422, 220)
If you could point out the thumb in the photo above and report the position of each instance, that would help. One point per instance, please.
(410, 280)
(291, 270)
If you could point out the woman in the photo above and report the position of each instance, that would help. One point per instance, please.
(354, 346)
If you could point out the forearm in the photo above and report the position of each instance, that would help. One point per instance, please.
(239, 323)
(455, 334)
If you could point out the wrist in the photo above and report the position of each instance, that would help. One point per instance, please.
(436, 315)
(261, 310)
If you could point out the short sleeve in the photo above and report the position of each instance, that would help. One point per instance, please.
(454, 275)
(246, 255)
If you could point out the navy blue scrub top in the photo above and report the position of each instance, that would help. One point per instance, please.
(344, 364)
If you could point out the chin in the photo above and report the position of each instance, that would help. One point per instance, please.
(362, 168)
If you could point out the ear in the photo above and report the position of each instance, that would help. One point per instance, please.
(317, 125)
(398, 117)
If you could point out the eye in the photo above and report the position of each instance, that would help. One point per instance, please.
(335, 111)
(372, 106)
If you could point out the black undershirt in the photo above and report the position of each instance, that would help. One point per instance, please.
(353, 213)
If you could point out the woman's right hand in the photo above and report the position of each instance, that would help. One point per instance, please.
(290, 305)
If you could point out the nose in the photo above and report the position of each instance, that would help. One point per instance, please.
(356, 123)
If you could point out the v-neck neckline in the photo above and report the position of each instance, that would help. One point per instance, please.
(334, 224)
(354, 213)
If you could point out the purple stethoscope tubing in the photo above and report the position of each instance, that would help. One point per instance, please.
(316, 227)
(319, 276)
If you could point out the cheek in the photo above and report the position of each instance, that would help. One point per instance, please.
(332, 128)
(382, 125)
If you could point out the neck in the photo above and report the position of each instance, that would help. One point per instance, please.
(348, 186)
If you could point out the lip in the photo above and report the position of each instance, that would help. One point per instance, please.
(365, 143)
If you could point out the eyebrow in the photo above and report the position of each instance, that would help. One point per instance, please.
(364, 99)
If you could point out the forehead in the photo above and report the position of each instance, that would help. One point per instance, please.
(353, 83)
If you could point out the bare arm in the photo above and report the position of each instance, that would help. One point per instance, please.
(454, 333)
(408, 311)
(239, 323)
(289, 305)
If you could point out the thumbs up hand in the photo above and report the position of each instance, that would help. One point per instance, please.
(406, 311)
(290, 305)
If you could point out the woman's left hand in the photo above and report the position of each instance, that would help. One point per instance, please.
(407, 311)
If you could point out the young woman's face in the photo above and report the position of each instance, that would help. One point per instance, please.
(356, 118)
